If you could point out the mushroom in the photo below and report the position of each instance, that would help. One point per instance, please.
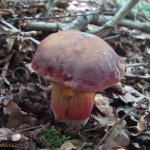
(78, 65)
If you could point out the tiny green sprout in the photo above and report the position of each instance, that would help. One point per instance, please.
(77, 28)
(54, 2)
(53, 137)
(90, 31)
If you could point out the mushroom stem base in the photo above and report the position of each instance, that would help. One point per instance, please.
(69, 105)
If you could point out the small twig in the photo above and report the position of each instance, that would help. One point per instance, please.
(107, 134)
(54, 17)
(147, 77)
(136, 64)
(21, 80)
(145, 26)
(29, 1)
(82, 21)
(33, 40)
(111, 37)
(7, 24)
(42, 26)
(132, 109)
(144, 13)
(30, 128)
(12, 27)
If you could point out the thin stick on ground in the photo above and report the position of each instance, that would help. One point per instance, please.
(133, 76)
(26, 129)
(136, 64)
(144, 26)
(56, 17)
(12, 27)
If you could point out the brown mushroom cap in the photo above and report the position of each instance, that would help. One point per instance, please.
(81, 61)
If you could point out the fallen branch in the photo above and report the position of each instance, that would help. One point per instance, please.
(41, 26)
(134, 14)
(145, 26)
(54, 27)
(109, 26)
(12, 27)
(82, 21)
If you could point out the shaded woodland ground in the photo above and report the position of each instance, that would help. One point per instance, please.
(120, 116)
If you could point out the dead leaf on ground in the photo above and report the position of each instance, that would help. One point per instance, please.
(68, 146)
(132, 95)
(17, 117)
(117, 138)
(141, 125)
(79, 144)
(102, 103)
(7, 37)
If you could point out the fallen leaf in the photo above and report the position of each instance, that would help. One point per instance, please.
(132, 95)
(8, 37)
(68, 146)
(78, 143)
(17, 117)
(141, 125)
(117, 139)
(102, 103)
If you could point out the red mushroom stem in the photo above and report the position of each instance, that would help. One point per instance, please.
(69, 105)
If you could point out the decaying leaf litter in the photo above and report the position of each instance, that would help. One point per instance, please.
(120, 116)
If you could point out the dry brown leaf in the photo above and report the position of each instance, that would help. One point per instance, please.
(117, 138)
(24, 47)
(78, 143)
(132, 95)
(8, 37)
(102, 103)
(141, 125)
(17, 117)
(68, 146)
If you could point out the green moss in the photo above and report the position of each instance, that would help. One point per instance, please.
(53, 138)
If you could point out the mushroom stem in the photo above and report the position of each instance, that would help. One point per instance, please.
(69, 105)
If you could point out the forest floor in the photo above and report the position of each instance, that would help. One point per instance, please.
(120, 118)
